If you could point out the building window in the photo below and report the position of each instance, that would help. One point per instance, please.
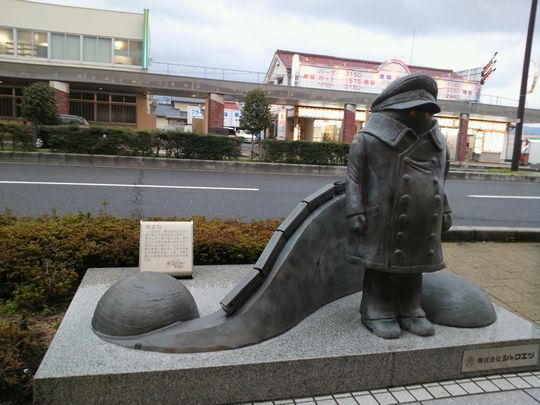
(69, 47)
(32, 43)
(97, 49)
(127, 52)
(65, 46)
(10, 98)
(104, 50)
(135, 52)
(6, 41)
(104, 108)
(89, 49)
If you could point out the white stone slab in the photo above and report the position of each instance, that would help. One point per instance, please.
(167, 247)
(330, 351)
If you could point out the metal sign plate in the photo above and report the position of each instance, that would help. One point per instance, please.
(499, 357)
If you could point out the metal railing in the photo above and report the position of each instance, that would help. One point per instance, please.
(205, 72)
(497, 100)
(246, 76)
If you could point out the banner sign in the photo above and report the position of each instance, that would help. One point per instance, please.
(334, 78)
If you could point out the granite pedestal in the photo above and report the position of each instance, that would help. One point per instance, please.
(330, 351)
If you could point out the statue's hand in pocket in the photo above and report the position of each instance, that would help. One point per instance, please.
(357, 224)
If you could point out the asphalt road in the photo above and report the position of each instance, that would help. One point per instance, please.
(30, 189)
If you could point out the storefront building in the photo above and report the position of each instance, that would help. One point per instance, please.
(483, 138)
(40, 33)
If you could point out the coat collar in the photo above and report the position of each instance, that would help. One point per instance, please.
(390, 131)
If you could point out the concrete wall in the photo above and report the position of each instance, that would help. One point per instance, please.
(74, 20)
(161, 122)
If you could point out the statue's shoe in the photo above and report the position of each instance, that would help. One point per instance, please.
(417, 326)
(385, 328)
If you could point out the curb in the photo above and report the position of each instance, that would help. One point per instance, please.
(483, 176)
(226, 166)
(491, 234)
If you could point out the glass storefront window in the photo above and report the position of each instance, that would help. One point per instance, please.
(32, 43)
(104, 50)
(58, 45)
(41, 44)
(70, 47)
(493, 142)
(24, 43)
(89, 49)
(127, 52)
(326, 130)
(65, 47)
(73, 47)
(6, 41)
(135, 52)
(121, 52)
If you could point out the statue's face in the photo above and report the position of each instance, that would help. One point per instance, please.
(415, 119)
(418, 117)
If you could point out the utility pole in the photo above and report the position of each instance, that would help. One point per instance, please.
(523, 92)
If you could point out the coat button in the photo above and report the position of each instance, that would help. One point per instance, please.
(400, 235)
(398, 253)
(406, 177)
(431, 253)
(433, 236)
(404, 200)
(435, 180)
(406, 159)
(434, 160)
(435, 217)
(403, 219)
(437, 198)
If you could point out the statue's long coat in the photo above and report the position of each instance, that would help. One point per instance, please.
(396, 178)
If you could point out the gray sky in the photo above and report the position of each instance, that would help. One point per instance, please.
(243, 35)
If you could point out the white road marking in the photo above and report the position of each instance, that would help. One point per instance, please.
(518, 197)
(53, 183)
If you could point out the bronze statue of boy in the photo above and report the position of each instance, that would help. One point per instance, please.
(397, 206)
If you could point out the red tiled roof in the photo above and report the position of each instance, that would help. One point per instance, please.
(231, 105)
(325, 60)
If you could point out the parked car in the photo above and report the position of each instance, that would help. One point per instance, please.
(222, 131)
(66, 119)
(63, 119)
(247, 136)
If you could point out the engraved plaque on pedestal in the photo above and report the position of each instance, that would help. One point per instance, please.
(500, 357)
(167, 247)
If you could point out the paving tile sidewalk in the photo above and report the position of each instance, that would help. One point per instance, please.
(508, 272)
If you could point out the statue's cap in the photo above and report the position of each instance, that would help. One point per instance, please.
(407, 93)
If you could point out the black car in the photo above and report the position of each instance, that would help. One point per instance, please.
(62, 119)
(222, 131)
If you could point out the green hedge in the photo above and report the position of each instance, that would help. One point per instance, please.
(42, 259)
(194, 146)
(130, 142)
(19, 135)
(303, 152)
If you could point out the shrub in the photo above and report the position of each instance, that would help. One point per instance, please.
(21, 349)
(256, 115)
(196, 146)
(42, 259)
(129, 142)
(302, 152)
(19, 135)
(38, 104)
